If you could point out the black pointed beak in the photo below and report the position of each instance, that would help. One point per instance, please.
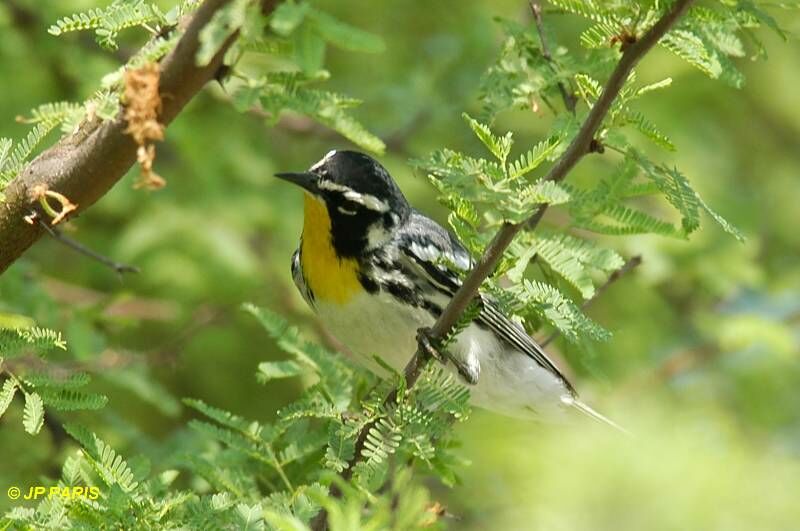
(307, 180)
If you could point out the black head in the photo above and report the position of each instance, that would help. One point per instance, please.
(362, 200)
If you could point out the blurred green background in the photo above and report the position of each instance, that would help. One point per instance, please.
(703, 366)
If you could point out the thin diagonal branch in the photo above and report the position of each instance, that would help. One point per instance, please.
(631, 264)
(82, 249)
(580, 146)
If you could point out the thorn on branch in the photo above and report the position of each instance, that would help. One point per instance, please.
(222, 74)
(596, 146)
(625, 39)
(78, 247)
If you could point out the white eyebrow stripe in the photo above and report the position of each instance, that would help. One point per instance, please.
(323, 160)
(332, 186)
(367, 200)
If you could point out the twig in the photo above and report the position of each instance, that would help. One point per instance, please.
(626, 268)
(82, 249)
(570, 101)
(631, 264)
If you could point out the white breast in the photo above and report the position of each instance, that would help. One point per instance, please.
(509, 382)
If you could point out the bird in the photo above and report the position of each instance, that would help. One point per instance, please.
(375, 271)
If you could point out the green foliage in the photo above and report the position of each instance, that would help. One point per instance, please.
(7, 394)
(423, 412)
(481, 193)
(41, 389)
(541, 303)
(108, 22)
(522, 75)
(33, 418)
(676, 189)
(707, 38)
(300, 36)
(500, 147)
(51, 115)
(499, 189)
(225, 23)
(571, 258)
(329, 367)
(268, 472)
(71, 399)
(327, 108)
(13, 159)
(319, 27)
(706, 324)
(14, 342)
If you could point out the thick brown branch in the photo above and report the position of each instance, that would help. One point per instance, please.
(86, 164)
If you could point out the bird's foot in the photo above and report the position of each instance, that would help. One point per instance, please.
(426, 344)
(469, 372)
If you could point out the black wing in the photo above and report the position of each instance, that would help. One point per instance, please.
(431, 248)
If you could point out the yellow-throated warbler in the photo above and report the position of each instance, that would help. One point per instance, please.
(375, 271)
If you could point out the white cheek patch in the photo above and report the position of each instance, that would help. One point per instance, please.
(346, 212)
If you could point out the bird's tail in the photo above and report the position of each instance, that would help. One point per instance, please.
(589, 412)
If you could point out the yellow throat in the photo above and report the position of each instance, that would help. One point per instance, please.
(330, 277)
